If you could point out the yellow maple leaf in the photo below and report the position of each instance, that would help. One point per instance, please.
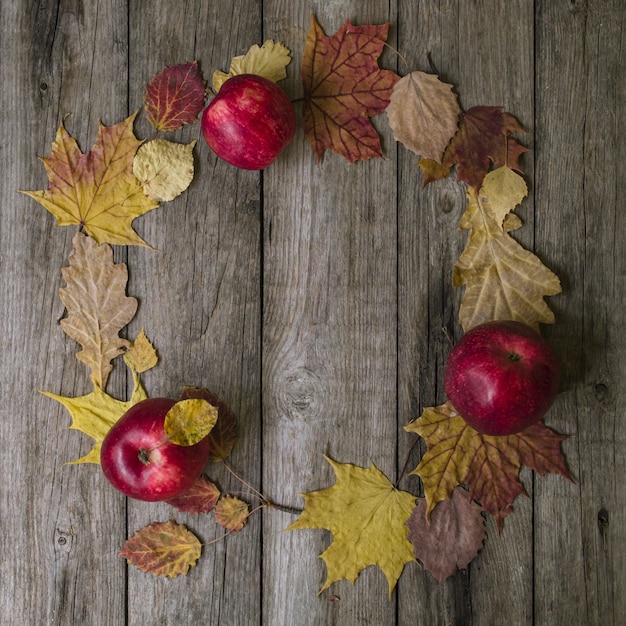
(95, 413)
(503, 280)
(97, 305)
(164, 168)
(96, 190)
(366, 515)
(269, 60)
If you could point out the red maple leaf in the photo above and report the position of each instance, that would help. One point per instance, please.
(175, 96)
(343, 88)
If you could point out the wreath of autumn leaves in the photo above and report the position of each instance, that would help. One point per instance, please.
(121, 178)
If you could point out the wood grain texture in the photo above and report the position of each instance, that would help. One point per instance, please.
(313, 299)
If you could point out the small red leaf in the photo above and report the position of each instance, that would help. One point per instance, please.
(200, 498)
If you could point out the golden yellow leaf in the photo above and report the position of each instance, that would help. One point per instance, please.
(190, 421)
(367, 516)
(97, 305)
(163, 549)
(141, 355)
(231, 513)
(502, 279)
(502, 190)
(270, 61)
(95, 413)
(164, 168)
(96, 190)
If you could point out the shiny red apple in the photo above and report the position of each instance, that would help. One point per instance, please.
(502, 377)
(138, 459)
(249, 121)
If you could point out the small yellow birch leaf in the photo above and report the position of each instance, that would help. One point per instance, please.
(164, 168)
(141, 355)
(502, 190)
(190, 421)
(95, 413)
(367, 516)
(231, 513)
(270, 61)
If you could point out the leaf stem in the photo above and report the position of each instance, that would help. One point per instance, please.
(406, 461)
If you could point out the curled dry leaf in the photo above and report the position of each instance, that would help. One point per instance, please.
(164, 168)
(175, 96)
(163, 549)
(231, 513)
(96, 190)
(270, 61)
(453, 537)
(189, 421)
(423, 114)
(367, 516)
(200, 498)
(97, 305)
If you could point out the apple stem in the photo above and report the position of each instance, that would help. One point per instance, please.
(144, 456)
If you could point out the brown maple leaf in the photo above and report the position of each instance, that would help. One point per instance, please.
(483, 140)
(201, 497)
(175, 96)
(453, 536)
(343, 88)
(489, 466)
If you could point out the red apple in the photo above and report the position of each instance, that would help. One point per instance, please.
(249, 122)
(138, 459)
(502, 377)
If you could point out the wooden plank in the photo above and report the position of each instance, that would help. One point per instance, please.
(60, 527)
(329, 337)
(200, 297)
(580, 528)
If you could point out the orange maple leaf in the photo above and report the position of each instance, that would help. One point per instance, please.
(343, 88)
(483, 139)
(489, 466)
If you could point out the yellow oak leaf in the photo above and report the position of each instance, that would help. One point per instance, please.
(269, 60)
(96, 190)
(189, 421)
(503, 280)
(366, 515)
(97, 305)
(164, 168)
(502, 190)
(95, 413)
(141, 355)
(231, 513)
(163, 549)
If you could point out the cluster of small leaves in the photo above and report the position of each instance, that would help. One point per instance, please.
(463, 472)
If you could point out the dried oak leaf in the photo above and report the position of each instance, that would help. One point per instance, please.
(502, 279)
(175, 96)
(95, 413)
(423, 114)
(96, 190)
(141, 355)
(343, 88)
(231, 513)
(224, 434)
(367, 516)
(163, 549)
(97, 305)
(189, 421)
(201, 497)
(489, 466)
(483, 139)
(164, 168)
(270, 61)
(452, 538)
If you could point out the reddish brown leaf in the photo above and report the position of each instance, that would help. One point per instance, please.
(163, 549)
(175, 96)
(483, 139)
(489, 466)
(224, 434)
(200, 498)
(343, 88)
(452, 538)
(231, 513)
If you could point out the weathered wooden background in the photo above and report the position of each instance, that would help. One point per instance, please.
(312, 298)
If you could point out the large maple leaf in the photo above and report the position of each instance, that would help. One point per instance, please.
(502, 279)
(483, 140)
(366, 515)
(343, 88)
(489, 466)
(96, 190)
